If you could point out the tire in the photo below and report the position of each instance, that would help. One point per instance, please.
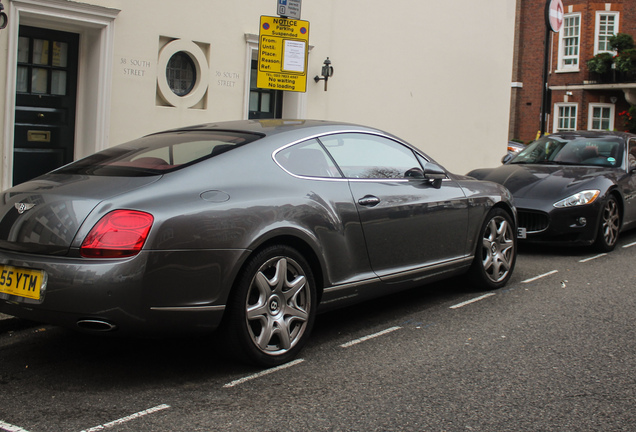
(496, 251)
(272, 309)
(609, 226)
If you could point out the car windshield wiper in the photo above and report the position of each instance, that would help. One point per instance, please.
(522, 162)
(565, 163)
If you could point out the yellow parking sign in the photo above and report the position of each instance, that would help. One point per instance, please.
(282, 54)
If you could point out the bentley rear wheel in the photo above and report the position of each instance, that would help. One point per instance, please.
(272, 310)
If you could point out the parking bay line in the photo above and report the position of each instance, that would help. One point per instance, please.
(540, 276)
(128, 418)
(10, 428)
(629, 245)
(366, 338)
(263, 373)
(467, 302)
(592, 258)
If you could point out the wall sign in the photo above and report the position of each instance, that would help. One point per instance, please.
(282, 54)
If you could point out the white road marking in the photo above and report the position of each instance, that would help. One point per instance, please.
(467, 302)
(540, 276)
(366, 338)
(263, 373)
(592, 258)
(629, 245)
(128, 418)
(10, 428)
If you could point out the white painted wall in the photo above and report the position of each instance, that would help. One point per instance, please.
(434, 73)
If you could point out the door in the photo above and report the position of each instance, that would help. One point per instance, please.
(264, 103)
(46, 89)
(408, 224)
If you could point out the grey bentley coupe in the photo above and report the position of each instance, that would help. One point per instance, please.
(251, 227)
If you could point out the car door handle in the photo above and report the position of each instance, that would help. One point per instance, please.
(369, 201)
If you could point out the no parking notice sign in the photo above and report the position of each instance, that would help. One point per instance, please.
(282, 54)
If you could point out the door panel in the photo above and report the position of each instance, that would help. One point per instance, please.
(408, 223)
(411, 224)
(45, 101)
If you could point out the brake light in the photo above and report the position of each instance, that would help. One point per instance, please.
(119, 234)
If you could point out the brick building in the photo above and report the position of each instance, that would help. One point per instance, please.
(578, 99)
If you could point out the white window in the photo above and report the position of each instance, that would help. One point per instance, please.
(601, 117)
(606, 27)
(565, 117)
(569, 42)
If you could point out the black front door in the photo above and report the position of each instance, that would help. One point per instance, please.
(45, 101)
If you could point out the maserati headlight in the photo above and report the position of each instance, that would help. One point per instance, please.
(581, 198)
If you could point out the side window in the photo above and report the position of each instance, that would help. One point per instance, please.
(307, 159)
(369, 156)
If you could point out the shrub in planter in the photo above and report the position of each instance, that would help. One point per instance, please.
(600, 63)
(626, 60)
(621, 42)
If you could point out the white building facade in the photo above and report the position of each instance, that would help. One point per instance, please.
(79, 76)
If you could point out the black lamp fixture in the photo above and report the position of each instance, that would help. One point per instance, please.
(327, 71)
(3, 17)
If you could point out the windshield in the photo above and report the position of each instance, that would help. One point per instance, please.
(606, 151)
(158, 154)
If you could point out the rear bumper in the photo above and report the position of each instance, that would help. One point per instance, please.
(153, 293)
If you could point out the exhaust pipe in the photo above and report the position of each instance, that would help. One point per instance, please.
(96, 325)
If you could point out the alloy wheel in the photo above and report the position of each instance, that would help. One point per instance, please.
(278, 306)
(610, 222)
(498, 249)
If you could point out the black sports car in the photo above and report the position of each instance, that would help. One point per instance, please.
(251, 226)
(575, 188)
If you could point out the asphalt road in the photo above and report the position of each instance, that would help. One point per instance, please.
(553, 351)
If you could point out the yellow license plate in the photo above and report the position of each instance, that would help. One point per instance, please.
(21, 282)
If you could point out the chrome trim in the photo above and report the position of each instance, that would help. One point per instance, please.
(324, 134)
(436, 266)
(190, 309)
(350, 285)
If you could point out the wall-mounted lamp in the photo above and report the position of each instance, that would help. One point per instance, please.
(568, 93)
(327, 71)
(3, 17)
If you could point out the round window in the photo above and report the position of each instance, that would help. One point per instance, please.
(181, 73)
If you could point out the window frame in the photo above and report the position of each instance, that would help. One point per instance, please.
(562, 57)
(597, 29)
(558, 117)
(590, 118)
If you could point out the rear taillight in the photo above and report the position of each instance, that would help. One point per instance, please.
(121, 233)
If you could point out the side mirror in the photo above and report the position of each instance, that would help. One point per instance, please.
(434, 174)
(507, 158)
(414, 173)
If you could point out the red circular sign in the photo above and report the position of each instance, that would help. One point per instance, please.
(555, 15)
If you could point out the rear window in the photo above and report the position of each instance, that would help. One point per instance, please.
(158, 154)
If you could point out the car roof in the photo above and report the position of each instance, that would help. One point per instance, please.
(269, 127)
